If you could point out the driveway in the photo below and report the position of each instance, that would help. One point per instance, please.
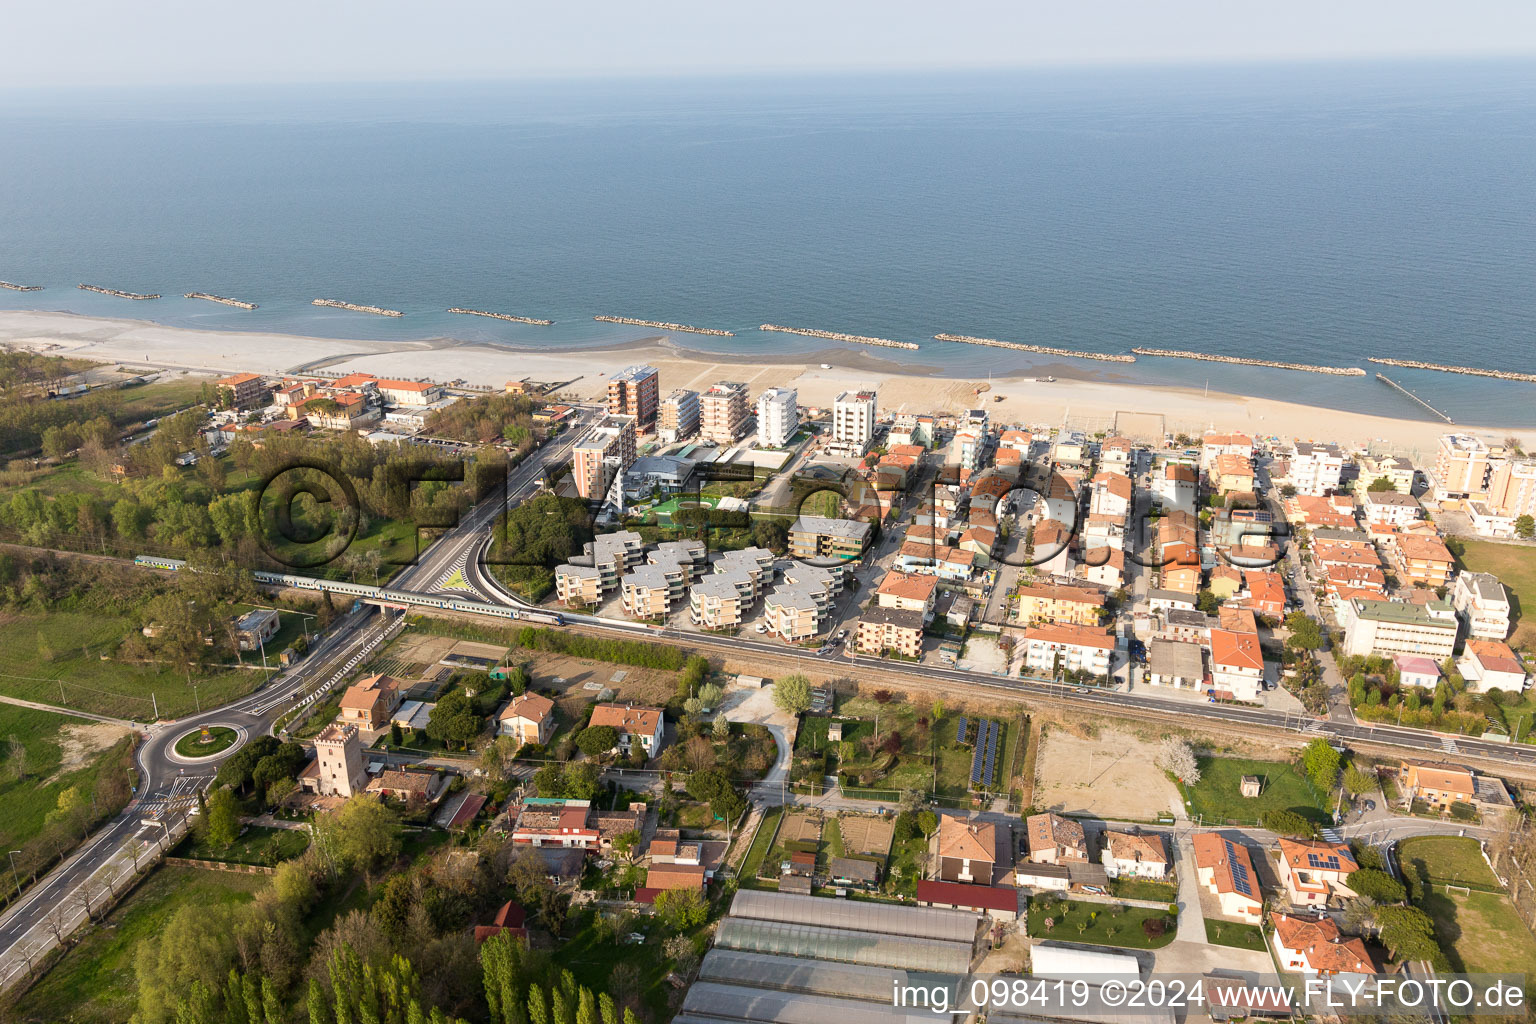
(1190, 953)
(747, 704)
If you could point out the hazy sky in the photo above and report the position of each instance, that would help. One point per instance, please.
(86, 42)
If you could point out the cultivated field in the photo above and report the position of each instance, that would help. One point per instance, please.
(1109, 775)
(866, 835)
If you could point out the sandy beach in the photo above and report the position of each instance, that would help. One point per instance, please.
(1085, 404)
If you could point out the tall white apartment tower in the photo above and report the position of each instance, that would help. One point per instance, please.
(778, 417)
(853, 419)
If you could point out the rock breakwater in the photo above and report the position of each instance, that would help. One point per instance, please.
(501, 316)
(664, 325)
(852, 339)
(354, 307)
(1175, 353)
(1045, 350)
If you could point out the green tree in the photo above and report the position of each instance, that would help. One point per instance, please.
(363, 833)
(792, 694)
(597, 740)
(1525, 527)
(681, 909)
(1288, 823)
(1409, 934)
(222, 826)
(1377, 885)
(927, 822)
(454, 720)
(1380, 484)
(1358, 782)
(1304, 632)
(1321, 762)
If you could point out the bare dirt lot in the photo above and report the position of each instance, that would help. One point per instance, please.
(863, 834)
(1109, 774)
(579, 682)
(800, 827)
(78, 743)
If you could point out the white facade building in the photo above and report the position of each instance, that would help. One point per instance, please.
(778, 417)
(853, 419)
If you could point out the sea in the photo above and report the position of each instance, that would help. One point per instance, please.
(1315, 213)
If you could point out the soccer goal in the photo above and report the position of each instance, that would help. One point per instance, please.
(1460, 890)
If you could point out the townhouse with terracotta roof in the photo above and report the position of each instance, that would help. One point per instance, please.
(1134, 854)
(1214, 444)
(246, 390)
(1416, 670)
(369, 702)
(1491, 665)
(1327, 552)
(1053, 839)
(1315, 946)
(1482, 604)
(980, 541)
(1068, 648)
(1225, 868)
(631, 722)
(1424, 561)
(1038, 603)
(1224, 580)
(1320, 512)
(1263, 592)
(908, 591)
(1441, 784)
(1314, 871)
(1103, 567)
(1053, 548)
(1237, 663)
(1176, 487)
(1231, 473)
(528, 718)
(1237, 620)
(1109, 494)
(1116, 452)
(397, 392)
(965, 851)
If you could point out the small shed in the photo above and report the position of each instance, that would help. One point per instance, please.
(835, 732)
(1251, 786)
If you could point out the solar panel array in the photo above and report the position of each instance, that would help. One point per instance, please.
(1240, 879)
(962, 729)
(984, 756)
(1328, 863)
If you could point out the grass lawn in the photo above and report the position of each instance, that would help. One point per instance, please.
(196, 744)
(39, 650)
(256, 845)
(1216, 798)
(1144, 889)
(94, 982)
(1441, 859)
(26, 803)
(592, 960)
(1095, 924)
(1515, 566)
(1232, 933)
(928, 749)
(1481, 932)
(761, 843)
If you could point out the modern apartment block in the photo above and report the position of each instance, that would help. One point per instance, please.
(853, 419)
(606, 451)
(723, 412)
(635, 392)
(1512, 488)
(678, 418)
(778, 417)
(247, 390)
(1461, 467)
(1397, 627)
(1315, 468)
(817, 537)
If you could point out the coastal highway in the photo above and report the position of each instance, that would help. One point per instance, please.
(168, 783)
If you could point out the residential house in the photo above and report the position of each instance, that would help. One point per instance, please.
(882, 629)
(1437, 783)
(1103, 567)
(1315, 468)
(631, 723)
(1231, 473)
(1482, 603)
(1116, 453)
(964, 850)
(1415, 670)
(1392, 508)
(1215, 444)
(1315, 946)
(1263, 592)
(554, 822)
(1177, 487)
(1491, 665)
(1315, 870)
(1048, 649)
(1110, 495)
(910, 591)
(1237, 664)
(1056, 603)
(369, 703)
(1424, 561)
(1134, 854)
(255, 628)
(1225, 868)
(527, 718)
(1053, 839)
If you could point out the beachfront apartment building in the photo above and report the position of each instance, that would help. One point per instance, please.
(1395, 468)
(1482, 603)
(1398, 627)
(635, 391)
(1215, 444)
(1176, 487)
(246, 390)
(723, 412)
(1390, 508)
(1511, 494)
(1315, 468)
(1461, 467)
(822, 538)
(602, 455)
(853, 420)
(778, 417)
(678, 417)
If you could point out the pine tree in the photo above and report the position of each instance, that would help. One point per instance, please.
(609, 1012)
(586, 1008)
(538, 1009)
(629, 1016)
(319, 1013)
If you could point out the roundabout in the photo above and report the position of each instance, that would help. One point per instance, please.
(205, 742)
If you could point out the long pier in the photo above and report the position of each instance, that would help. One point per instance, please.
(664, 325)
(1474, 371)
(21, 287)
(1388, 380)
(354, 307)
(1174, 353)
(114, 291)
(237, 303)
(501, 316)
(852, 339)
(1045, 350)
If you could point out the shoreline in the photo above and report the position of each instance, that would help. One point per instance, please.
(1082, 399)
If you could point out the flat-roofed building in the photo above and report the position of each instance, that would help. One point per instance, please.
(1398, 627)
(1482, 604)
(678, 416)
(1461, 467)
(778, 417)
(1315, 468)
(635, 391)
(723, 412)
(1175, 663)
(853, 419)
(606, 451)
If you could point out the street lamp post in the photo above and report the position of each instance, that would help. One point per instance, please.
(14, 873)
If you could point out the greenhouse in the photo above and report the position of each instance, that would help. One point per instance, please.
(711, 1003)
(811, 977)
(857, 915)
(860, 947)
